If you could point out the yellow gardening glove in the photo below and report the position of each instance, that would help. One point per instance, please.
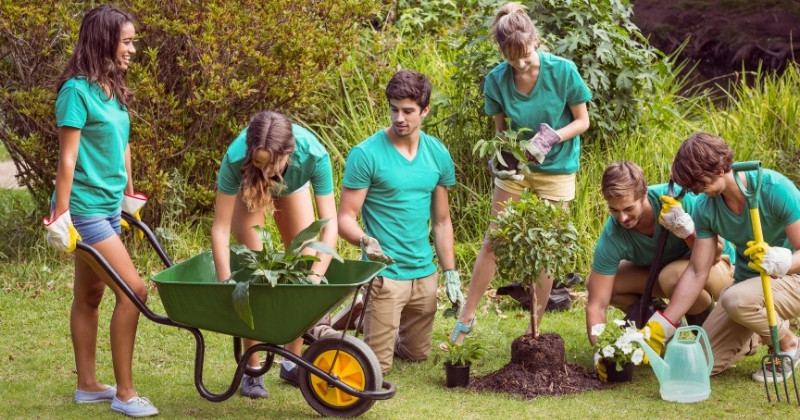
(660, 329)
(61, 234)
(132, 204)
(674, 219)
(769, 260)
(600, 367)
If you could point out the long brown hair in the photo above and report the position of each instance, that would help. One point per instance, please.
(96, 52)
(701, 157)
(272, 132)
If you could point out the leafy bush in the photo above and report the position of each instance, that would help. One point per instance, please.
(201, 70)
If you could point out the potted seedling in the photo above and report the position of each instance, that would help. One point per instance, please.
(506, 148)
(458, 359)
(272, 266)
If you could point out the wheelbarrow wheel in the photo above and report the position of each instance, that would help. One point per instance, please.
(354, 364)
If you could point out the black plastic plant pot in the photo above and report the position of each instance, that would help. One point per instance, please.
(511, 161)
(456, 375)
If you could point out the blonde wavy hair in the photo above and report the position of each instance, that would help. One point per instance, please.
(272, 132)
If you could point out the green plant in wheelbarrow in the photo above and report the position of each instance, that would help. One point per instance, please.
(505, 150)
(534, 239)
(273, 267)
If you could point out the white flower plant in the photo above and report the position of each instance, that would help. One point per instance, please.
(618, 343)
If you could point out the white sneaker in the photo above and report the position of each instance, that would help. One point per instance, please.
(781, 369)
(135, 407)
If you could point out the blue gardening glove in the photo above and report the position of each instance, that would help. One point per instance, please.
(132, 204)
(452, 287)
(541, 143)
(61, 234)
(506, 174)
(674, 219)
(600, 367)
(372, 249)
(658, 331)
(769, 260)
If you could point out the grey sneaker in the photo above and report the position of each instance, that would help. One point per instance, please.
(253, 387)
(135, 407)
(89, 397)
(781, 368)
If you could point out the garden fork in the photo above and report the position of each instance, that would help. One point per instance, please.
(773, 358)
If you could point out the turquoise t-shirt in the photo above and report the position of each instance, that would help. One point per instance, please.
(778, 206)
(617, 243)
(397, 208)
(100, 175)
(309, 162)
(558, 87)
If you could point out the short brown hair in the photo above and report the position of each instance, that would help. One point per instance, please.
(623, 178)
(701, 157)
(409, 84)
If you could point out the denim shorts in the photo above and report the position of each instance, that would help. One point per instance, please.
(94, 229)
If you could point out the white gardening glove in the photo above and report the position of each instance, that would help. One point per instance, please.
(372, 249)
(769, 260)
(452, 287)
(61, 234)
(541, 143)
(674, 219)
(132, 204)
(506, 174)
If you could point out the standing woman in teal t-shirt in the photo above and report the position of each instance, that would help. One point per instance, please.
(268, 168)
(543, 92)
(93, 184)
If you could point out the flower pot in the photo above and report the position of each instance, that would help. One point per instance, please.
(456, 375)
(614, 375)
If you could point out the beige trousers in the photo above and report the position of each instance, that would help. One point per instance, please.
(399, 318)
(740, 319)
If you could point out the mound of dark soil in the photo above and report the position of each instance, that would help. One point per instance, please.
(538, 367)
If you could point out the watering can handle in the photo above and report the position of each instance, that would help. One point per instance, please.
(700, 335)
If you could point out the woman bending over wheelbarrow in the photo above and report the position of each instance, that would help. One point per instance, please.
(268, 169)
(92, 183)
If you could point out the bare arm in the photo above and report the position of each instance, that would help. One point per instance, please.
(221, 234)
(692, 280)
(599, 288)
(793, 233)
(442, 226)
(68, 140)
(326, 208)
(579, 124)
(129, 169)
(350, 203)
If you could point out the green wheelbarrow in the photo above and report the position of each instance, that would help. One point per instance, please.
(339, 376)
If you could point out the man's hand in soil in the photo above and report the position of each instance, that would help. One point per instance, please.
(505, 173)
(541, 143)
(452, 287)
(372, 249)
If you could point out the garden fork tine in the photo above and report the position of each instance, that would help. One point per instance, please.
(773, 357)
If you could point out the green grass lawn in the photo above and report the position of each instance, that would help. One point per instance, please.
(37, 368)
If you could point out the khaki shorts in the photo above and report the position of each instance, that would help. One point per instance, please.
(547, 186)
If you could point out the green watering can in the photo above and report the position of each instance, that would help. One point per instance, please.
(684, 371)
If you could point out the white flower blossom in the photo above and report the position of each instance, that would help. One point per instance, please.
(626, 348)
(608, 351)
(638, 356)
(619, 322)
(598, 329)
(646, 333)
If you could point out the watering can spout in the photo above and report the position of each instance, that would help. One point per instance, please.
(660, 367)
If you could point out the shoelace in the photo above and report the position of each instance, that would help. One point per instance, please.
(253, 382)
(140, 401)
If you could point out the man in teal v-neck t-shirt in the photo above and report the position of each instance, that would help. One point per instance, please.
(704, 163)
(397, 181)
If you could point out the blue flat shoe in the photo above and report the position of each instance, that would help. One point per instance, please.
(460, 328)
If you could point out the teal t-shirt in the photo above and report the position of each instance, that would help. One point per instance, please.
(558, 87)
(397, 207)
(617, 243)
(309, 162)
(100, 175)
(778, 206)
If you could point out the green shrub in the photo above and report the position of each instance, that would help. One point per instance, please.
(201, 70)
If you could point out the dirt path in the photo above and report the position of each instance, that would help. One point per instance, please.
(7, 172)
